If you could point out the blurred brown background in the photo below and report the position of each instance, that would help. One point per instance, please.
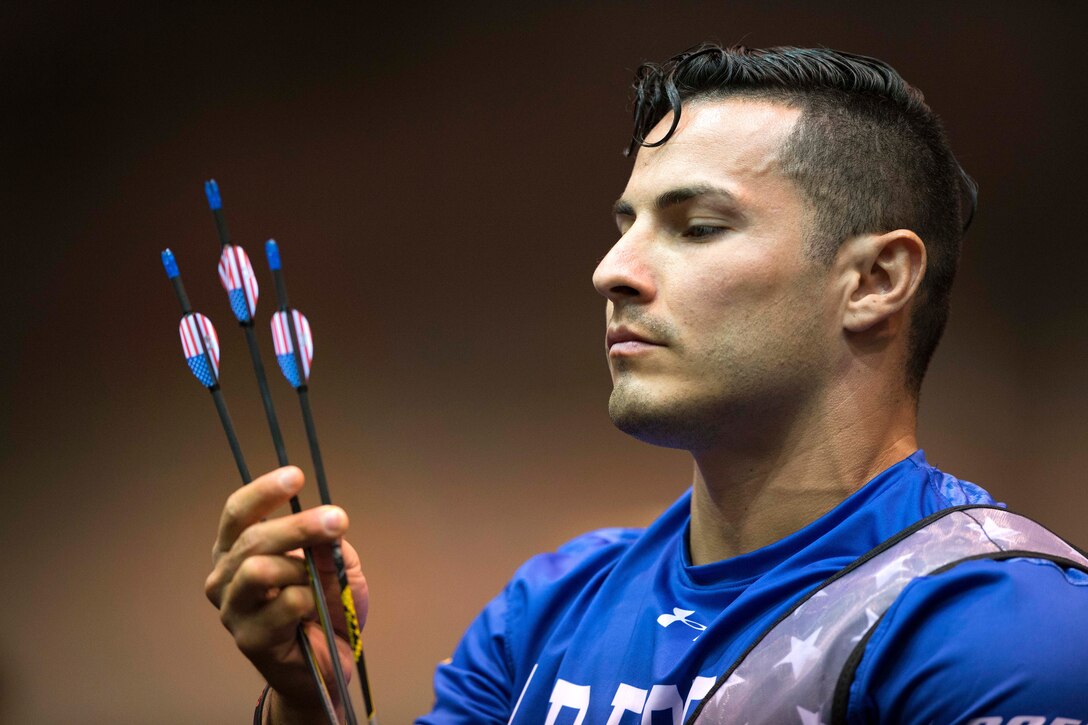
(439, 178)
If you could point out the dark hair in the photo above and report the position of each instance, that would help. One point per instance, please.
(867, 153)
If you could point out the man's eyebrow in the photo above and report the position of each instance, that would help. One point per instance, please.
(672, 197)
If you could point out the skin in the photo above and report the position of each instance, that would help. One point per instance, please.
(260, 586)
(783, 376)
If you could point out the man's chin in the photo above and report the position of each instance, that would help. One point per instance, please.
(658, 423)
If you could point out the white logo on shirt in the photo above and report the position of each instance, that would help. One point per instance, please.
(681, 615)
(643, 702)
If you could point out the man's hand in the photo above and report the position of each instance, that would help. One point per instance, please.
(260, 585)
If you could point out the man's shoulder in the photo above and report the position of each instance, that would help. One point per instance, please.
(582, 556)
(592, 555)
(952, 491)
(984, 638)
(983, 592)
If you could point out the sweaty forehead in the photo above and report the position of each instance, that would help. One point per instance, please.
(733, 142)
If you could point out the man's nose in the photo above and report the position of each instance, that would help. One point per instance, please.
(625, 273)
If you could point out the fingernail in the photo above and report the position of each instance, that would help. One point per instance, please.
(333, 520)
(286, 480)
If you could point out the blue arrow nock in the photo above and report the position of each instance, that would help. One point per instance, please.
(273, 253)
(170, 263)
(211, 190)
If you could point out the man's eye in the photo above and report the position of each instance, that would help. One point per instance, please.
(702, 230)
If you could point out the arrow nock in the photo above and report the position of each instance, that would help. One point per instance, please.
(272, 251)
(211, 190)
(170, 264)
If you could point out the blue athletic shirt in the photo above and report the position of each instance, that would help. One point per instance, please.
(617, 627)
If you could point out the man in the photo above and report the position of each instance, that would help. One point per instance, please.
(788, 239)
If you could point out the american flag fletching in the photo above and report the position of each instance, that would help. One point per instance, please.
(236, 274)
(285, 349)
(197, 337)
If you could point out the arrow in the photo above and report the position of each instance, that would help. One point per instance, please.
(200, 344)
(294, 346)
(285, 332)
(236, 275)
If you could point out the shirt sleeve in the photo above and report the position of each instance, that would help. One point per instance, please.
(986, 643)
(473, 686)
(477, 685)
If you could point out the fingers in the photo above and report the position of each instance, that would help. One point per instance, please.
(275, 536)
(260, 579)
(357, 586)
(264, 604)
(255, 501)
(356, 580)
(269, 632)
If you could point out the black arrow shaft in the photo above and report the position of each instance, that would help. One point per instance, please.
(322, 481)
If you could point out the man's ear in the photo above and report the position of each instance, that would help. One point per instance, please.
(883, 273)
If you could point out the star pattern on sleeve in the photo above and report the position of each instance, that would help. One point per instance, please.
(890, 570)
(870, 620)
(802, 652)
(996, 532)
(734, 679)
(808, 717)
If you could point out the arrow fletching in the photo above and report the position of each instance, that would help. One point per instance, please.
(197, 338)
(285, 346)
(236, 274)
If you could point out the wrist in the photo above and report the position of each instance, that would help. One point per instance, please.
(281, 711)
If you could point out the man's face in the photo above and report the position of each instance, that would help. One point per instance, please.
(718, 323)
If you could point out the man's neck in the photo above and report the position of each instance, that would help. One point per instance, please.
(745, 499)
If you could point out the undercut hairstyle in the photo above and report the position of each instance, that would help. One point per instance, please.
(867, 153)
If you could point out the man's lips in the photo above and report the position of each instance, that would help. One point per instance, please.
(625, 341)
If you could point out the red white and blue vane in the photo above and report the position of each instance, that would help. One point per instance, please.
(284, 343)
(236, 274)
(201, 347)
